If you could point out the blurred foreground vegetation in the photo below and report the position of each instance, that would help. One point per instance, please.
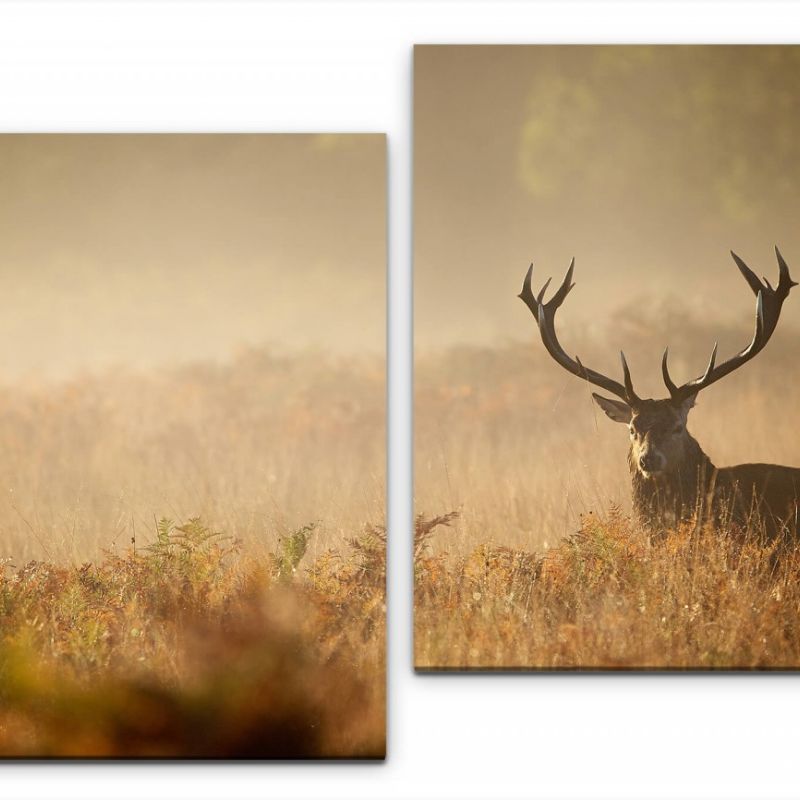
(188, 647)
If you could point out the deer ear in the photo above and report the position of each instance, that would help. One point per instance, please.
(687, 405)
(615, 409)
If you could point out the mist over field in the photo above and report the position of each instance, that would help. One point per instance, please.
(646, 164)
(147, 250)
(193, 324)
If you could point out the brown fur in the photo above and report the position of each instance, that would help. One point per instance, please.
(692, 487)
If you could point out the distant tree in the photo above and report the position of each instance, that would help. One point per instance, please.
(695, 131)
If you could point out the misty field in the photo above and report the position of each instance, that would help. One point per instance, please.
(193, 561)
(526, 555)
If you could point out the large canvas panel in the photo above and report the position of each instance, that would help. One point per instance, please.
(647, 165)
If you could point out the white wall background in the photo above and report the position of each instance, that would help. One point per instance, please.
(346, 66)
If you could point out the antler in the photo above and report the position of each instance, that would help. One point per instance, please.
(544, 314)
(768, 309)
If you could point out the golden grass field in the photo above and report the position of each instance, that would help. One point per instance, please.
(194, 561)
(526, 555)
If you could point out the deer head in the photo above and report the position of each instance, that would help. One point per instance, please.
(659, 439)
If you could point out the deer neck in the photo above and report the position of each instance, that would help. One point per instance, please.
(666, 499)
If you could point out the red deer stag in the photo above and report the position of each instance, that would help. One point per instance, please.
(673, 479)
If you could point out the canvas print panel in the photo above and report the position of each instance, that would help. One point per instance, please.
(576, 510)
(192, 426)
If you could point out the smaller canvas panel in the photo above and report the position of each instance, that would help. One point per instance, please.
(192, 521)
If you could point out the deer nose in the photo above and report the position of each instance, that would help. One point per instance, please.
(647, 462)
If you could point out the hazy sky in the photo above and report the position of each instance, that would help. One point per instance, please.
(143, 249)
(647, 164)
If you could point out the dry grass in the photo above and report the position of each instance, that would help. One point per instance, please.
(541, 567)
(121, 635)
(609, 598)
(256, 447)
